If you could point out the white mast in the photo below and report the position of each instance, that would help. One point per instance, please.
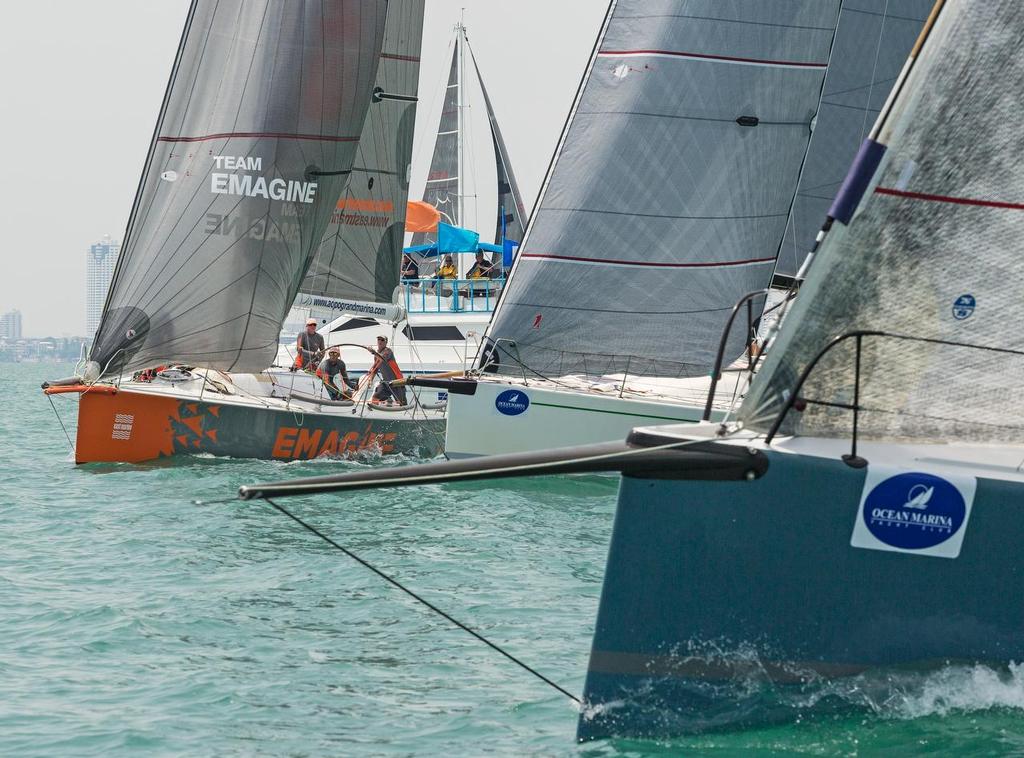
(460, 136)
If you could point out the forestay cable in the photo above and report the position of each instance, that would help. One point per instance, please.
(421, 600)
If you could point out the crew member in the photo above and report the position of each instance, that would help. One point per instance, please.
(309, 348)
(447, 269)
(331, 367)
(387, 367)
(481, 268)
(410, 270)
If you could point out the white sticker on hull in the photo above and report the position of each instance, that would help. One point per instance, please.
(916, 512)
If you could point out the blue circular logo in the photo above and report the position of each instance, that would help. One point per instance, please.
(963, 307)
(914, 511)
(512, 402)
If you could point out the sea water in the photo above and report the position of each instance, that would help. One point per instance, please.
(135, 622)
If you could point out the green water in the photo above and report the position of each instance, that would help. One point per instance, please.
(135, 622)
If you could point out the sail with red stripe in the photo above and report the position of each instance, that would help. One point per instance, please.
(254, 144)
(674, 182)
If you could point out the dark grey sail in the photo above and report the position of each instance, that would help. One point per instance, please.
(511, 221)
(671, 187)
(360, 256)
(872, 43)
(674, 183)
(252, 150)
(443, 180)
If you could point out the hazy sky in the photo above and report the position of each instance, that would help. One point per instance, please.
(81, 84)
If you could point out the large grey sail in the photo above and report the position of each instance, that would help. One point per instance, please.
(443, 181)
(933, 252)
(251, 151)
(672, 186)
(511, 213)
(872, 43)
(360, 256)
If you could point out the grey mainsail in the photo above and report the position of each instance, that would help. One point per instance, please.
(933, 252)
(673, 185)
(511, 221)
(872, 43)
(360, 256)
(251, 151)
(443, 181)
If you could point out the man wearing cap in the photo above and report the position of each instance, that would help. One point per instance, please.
(309, 348)
(387, 367)
(331, 367)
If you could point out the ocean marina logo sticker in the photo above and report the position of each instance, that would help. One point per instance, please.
(913, 512)
(963, 307)
(512, 402)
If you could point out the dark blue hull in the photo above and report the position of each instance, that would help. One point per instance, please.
(726, 603)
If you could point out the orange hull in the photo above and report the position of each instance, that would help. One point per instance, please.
(118, 425)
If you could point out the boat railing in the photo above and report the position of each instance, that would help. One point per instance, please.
(716, 373)
(796, 400)
(504, 356)
(435, 295)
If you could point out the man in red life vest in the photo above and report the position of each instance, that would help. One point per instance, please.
(386, 367)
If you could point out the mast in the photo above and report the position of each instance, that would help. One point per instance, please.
(461, 138)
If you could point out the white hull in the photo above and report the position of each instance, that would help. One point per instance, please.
(556, 416)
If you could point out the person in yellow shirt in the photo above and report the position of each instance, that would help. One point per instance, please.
(447, 269)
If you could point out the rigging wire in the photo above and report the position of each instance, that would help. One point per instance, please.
(394, 582)
(61, 422)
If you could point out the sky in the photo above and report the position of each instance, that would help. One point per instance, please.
(81, 85)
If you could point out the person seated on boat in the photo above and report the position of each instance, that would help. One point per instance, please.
(332, 367)
(447, 269)
(482, 268)
(386, 367)
(410, 269)
(309, 348)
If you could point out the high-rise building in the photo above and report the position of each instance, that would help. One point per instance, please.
(99, 270)
(10, 325)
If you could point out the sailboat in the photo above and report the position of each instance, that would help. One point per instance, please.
(431, 328)
(701, 150)
(864, 517)
(252, 153)
(859, 519)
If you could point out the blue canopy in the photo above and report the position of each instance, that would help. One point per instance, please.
(454, 239)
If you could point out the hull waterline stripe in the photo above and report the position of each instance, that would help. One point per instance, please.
(709, 57)
(783, 672)
(396, 57)
(650, 264)
(258, 135)
(950, 199)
